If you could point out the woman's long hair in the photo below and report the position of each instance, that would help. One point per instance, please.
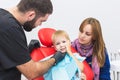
(99, 45)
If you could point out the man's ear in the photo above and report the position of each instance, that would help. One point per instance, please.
(31, 15)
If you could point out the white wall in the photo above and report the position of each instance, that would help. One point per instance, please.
(68, 14)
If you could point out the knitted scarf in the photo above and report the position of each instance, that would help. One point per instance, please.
(87, 51)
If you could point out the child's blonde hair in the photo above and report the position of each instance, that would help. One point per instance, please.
(59, 33)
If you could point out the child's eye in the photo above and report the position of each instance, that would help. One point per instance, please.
(57, 43)
(64, 41)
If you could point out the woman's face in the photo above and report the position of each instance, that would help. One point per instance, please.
(85, 37)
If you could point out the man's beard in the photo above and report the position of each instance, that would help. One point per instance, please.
(29, 25)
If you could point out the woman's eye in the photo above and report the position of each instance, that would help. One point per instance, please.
(88, 34)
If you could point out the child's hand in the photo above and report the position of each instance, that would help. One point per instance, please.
(83, 76)
(68, 47)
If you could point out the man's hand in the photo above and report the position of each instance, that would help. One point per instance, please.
(58, 56)
(33, 44)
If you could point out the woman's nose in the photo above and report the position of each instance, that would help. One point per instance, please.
(82, 35)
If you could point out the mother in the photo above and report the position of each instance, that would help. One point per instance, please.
(90, 44)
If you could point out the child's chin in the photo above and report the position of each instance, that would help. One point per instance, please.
(63, 51)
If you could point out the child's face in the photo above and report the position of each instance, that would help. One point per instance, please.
(60, 44)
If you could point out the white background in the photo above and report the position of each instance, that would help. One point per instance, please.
(68, 14)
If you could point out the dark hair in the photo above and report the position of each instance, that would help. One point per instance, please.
(41, 7)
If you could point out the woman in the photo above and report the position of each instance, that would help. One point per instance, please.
(90, 44)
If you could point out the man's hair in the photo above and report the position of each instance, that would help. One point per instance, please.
(41, 7)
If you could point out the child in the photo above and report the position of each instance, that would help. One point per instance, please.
(71, 66)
